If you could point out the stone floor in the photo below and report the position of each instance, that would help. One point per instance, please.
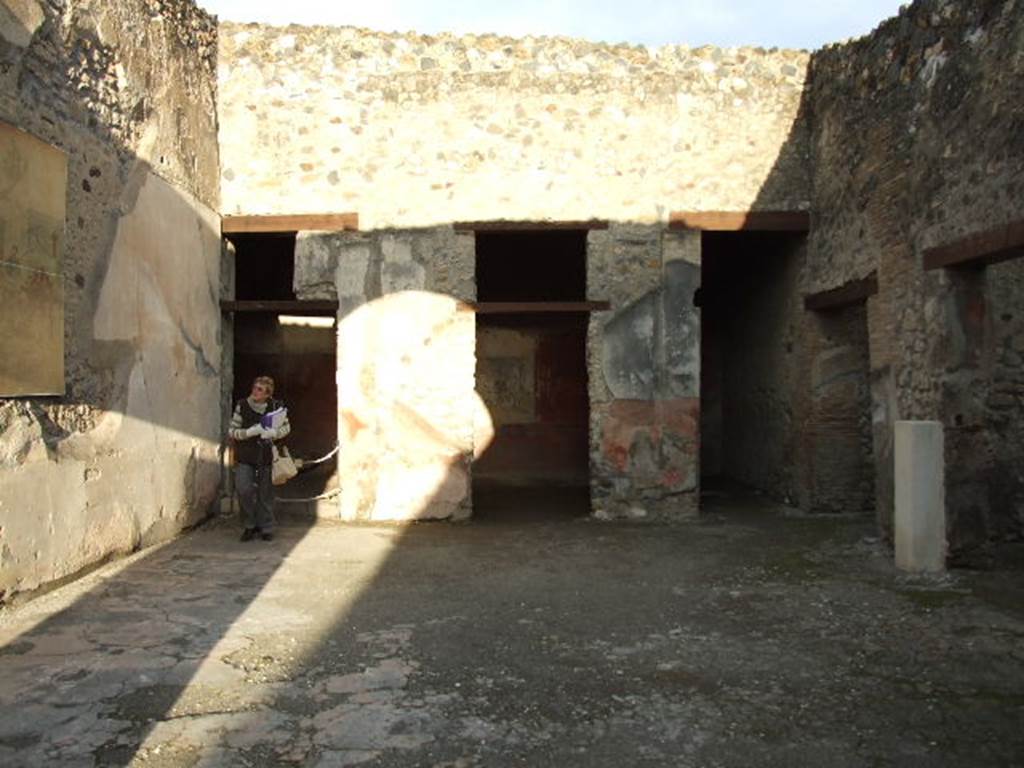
(751, 638)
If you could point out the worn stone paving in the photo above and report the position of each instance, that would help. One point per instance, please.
(751, 638)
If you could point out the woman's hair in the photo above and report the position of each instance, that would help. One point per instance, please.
(266, 381)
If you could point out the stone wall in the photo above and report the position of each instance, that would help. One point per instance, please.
(413, 130)
(832, 390)
(977, 359)
(408, 415)
(1004, 404)
(410, 420)
(918, 139)
(416, 132)
(129, 456)
(905, 139)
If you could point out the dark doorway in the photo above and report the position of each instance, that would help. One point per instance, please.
(298, 350)
(749, 362)
(532, 375)
(531, 266)
(264, 266)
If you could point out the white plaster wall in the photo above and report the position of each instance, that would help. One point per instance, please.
(149, 466)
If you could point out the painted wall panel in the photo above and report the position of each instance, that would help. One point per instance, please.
(33, 182)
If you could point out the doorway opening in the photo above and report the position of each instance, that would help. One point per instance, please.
(838, 450)
(531, 372)
(749, 364)
(296, 347)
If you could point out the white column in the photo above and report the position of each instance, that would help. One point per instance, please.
(920, 525)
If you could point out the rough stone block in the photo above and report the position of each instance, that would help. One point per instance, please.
(396, 249)
(681, 246)
(920, 497)
(316, 262)
(402, 276)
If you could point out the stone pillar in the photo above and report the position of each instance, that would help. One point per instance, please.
(920, 524)
(406, 367)
(644, 366)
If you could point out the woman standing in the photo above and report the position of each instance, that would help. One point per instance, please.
(254, 456)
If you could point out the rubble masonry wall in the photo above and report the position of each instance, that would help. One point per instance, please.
(918, 140)
(414, 130)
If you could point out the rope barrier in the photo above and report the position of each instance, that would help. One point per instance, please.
(321, 497)
(302, 465)
(313, 462)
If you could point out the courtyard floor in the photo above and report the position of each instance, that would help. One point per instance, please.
(754, 637)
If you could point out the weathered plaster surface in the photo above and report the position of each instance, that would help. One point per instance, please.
(644, 361)
(129, 455)
(507, 372)
(481, 127)
(148, 464)
(407, 409)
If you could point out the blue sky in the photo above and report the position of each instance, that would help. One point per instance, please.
(782, 23)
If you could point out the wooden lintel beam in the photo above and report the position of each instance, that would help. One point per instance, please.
(527, 226)
(980, 249)
(323, 307)
(307, 222)
(737, 221)
(844, 295)
(521, 307)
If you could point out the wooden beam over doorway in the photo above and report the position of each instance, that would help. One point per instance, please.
(527, 226)
(844, 295)
(303, 222)
(314, 307)
(980, 249)
(521, 307)
(741, 221)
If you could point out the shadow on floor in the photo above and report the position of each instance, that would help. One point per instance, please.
(751, 640)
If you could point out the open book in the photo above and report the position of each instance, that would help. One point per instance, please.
(274, 419)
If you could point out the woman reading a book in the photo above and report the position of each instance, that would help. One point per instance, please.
(258, 420)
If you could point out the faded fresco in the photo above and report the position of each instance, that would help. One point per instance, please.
(33, 180)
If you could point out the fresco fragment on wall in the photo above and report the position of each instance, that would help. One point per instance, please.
(33, 180)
